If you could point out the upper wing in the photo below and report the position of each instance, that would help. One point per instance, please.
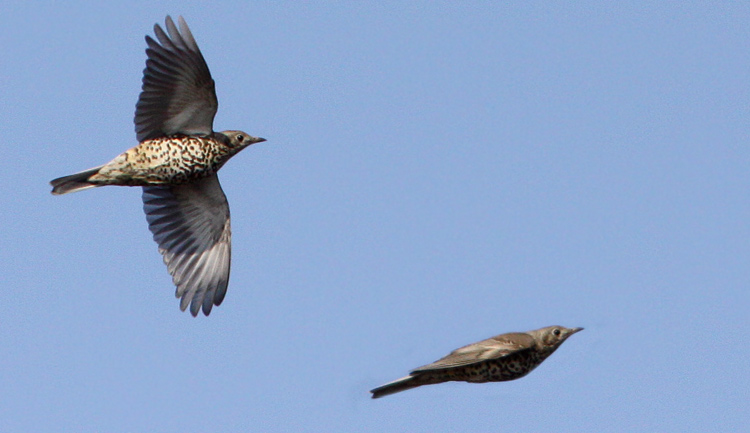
(492, 348)
(190, 222)
(178, 92)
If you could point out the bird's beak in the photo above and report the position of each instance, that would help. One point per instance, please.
(259, 140)
(574, 330)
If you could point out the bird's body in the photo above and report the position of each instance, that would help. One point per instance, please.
(497, 359)
(509, 367)
(176, 162)
(163, 161)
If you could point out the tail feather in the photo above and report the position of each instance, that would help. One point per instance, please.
(74, 182)
(397, 385)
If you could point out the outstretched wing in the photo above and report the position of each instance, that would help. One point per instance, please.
(190, 222)
(492, 348)
(178, 92)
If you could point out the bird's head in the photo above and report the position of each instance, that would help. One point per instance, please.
(238, 140)
(552, 337)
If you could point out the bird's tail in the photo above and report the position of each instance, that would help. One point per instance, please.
(397, 385)
(74, 182)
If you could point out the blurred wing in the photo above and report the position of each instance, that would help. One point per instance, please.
(492, 348)
(190, 222)
(178, 92)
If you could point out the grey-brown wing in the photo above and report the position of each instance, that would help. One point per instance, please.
(191, 224)
(178, 93)
(491, 348)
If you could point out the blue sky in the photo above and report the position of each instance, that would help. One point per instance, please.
(434, 175)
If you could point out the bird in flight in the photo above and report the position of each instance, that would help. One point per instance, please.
(497, 359)
(176, 162)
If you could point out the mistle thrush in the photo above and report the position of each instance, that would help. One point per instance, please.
(497, 359)
(176, 164)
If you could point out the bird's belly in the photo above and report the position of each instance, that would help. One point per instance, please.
(162, 161)
(495, 371)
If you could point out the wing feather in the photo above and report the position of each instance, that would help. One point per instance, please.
(491, 348)
(178, 93)
(191, 225)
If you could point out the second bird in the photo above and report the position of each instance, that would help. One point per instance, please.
(497, 359)
(176, 164)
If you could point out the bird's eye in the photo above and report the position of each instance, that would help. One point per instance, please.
(556, 332)
(240, 138)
